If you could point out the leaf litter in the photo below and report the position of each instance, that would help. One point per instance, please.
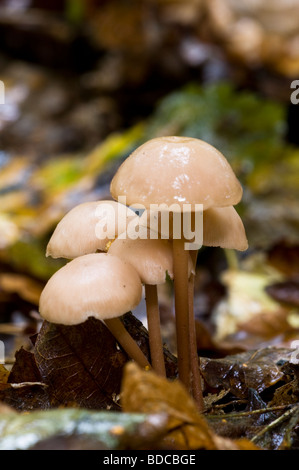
(250, 379)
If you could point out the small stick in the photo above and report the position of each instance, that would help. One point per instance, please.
(274, 423)
(195, 373)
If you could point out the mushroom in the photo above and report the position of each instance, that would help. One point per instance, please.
(95, 285)
(87, 228)
(178, 171)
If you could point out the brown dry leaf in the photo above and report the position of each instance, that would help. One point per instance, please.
(22, 388)
(83, 364)
(146, 392)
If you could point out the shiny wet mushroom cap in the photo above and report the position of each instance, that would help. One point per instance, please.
(176, 170)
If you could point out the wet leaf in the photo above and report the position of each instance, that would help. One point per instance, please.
(258, 370)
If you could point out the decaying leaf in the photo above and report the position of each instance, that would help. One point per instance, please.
(81, 364)
(186, 428)
(259, 370)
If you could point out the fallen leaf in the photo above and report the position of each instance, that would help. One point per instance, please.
(83, 364)
(186, 429)
(238, 373)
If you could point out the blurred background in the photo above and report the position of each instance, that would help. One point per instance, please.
(86, 82)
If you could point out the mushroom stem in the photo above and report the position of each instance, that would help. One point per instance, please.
(195, 373)
(122, 336)
(180, 271)
(154, 332)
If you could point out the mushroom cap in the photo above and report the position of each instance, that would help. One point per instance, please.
(96, 285)
(222, 226)
(151, 258)
(88, 228)
(150, 255)
(176, 170)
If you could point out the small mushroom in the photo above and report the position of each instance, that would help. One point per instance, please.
(87, 228)
(178, 171)
(95, 285)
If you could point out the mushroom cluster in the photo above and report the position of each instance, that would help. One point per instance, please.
(114, 251)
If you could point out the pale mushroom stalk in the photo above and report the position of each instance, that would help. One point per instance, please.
(154, 332)
(181, 298)
(126, 341)
(194, 360)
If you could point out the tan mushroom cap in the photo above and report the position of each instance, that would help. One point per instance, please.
(151, 257)
(88, 228)
(96, 285)
(222, 226)
(176, 170)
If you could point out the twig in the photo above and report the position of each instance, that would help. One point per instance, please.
(242, 414)
(274, 423)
